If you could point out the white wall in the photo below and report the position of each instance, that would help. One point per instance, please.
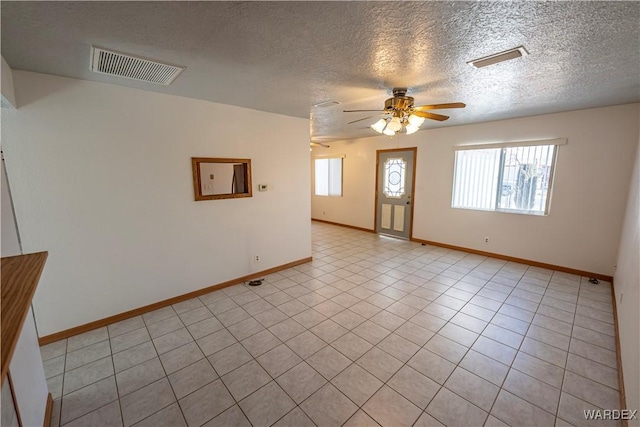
(101, 178)
(9, 233)
(8, 415)
(590, 188)
(8, 99)
(27, 376)
(627, 285)
(10, 242)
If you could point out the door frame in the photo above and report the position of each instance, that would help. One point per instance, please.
(413, 186)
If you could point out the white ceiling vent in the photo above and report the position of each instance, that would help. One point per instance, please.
(130, 67)
(327, 103)
(516, 52)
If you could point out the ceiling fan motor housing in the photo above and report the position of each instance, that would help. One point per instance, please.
(399, 103)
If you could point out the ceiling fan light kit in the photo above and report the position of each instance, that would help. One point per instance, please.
(400, 114)
(415, 120)
(395, 124)
(409, 129)
(379, 125)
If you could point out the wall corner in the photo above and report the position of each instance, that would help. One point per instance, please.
(7, 89)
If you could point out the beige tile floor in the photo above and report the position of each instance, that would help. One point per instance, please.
(374, 331)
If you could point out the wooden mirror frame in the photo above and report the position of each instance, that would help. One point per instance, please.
(197, 184)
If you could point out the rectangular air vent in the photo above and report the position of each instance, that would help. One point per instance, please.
(324, 104)
(131, 67)
(516, 52)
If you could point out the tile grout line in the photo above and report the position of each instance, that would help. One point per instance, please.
(422, 348)
(564, 376)
(470, 347)
(407, 260)
(115, 379)
(524, 336)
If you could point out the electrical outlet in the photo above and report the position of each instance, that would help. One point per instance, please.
(256, 258)
(486, 240)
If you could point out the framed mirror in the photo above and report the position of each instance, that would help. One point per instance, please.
(215, 178)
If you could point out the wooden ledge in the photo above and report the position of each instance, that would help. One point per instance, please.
(20, 276)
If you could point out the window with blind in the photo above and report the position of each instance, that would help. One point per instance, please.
(508, 178)
(328, 176)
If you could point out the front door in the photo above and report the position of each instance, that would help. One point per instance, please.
(394, 192)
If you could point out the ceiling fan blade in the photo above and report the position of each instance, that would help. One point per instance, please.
(319, 144)
(441, 106)
(432, 116)
(362, 111)
(365, 118)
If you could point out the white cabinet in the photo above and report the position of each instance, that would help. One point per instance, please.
(27, 376)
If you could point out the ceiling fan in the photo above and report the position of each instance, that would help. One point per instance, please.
(400, 114)
(319, 144)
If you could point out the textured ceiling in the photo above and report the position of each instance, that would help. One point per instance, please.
(283, 57)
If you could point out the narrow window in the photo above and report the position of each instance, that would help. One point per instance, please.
(508, 178)
(328, 176)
